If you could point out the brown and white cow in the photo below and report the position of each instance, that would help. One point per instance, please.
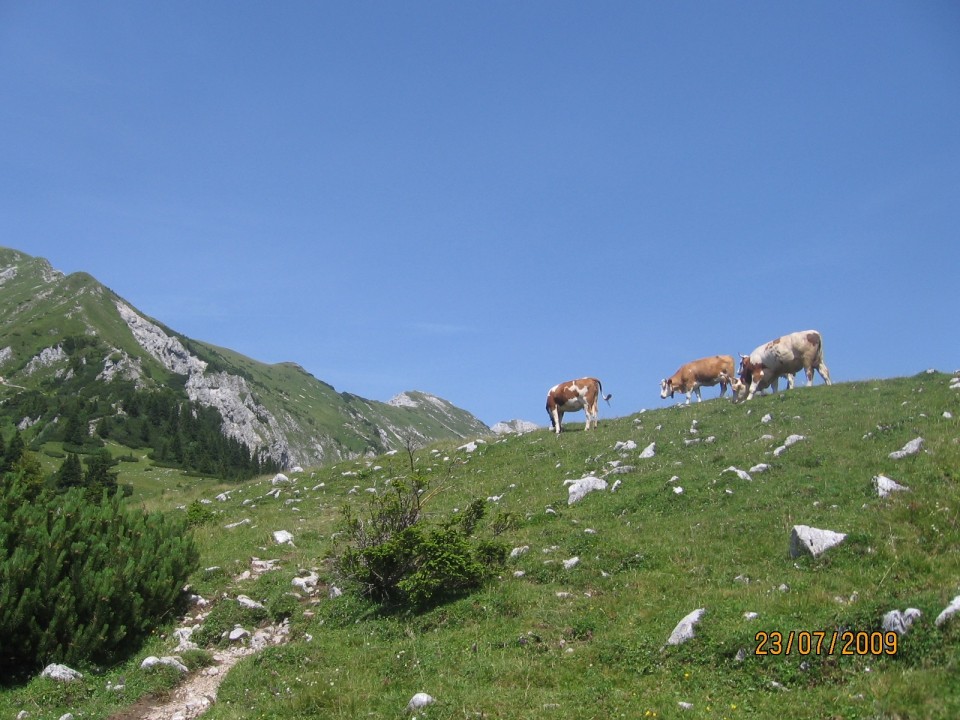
(784, 356)
(705, 372)
(573, 395)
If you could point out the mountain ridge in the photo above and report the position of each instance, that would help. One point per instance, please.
(54, 327)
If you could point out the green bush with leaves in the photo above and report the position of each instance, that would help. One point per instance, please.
(83, 582)
(399, 558)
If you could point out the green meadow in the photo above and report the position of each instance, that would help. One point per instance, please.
(576, 625)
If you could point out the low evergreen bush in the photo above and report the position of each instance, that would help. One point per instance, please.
(82, 582)
(398, 558)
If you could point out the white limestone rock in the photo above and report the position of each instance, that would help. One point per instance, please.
(649, 451)
(61, 673)
(948, 612)
(885, 485)
(419, 701)
(900, 622)
(518, 427)
(154, 661)
(911, 448)
(580, 488)
(684, 630)
(283, 537)
(806, 540)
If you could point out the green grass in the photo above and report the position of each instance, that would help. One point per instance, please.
(588, 642)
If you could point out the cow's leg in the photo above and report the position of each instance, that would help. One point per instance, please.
(723, 386)
(697, 390)
(809, 372)
(557, 419)
(592, 413)
(824, 373)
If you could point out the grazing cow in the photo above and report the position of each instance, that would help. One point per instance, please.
(705, 372)
(784, 356)
(573, 395)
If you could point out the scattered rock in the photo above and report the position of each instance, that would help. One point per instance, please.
(742, 474)
(885, 485)
(684, 630)
(518, 551)
(571, 563)
(900, 622)
(948, 612)
(282, 537)
(60, 673)
(419, 701)
(306, 584)
(911, 448)
(813, 541)
(580, 488)
(249, 603)
(280, 479)
(625, 445)
(153, 661)
(649, 451)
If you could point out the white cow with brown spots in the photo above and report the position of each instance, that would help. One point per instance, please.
(784, 356)
(705, 372)
(574, 395)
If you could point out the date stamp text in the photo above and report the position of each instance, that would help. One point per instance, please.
(830, 642)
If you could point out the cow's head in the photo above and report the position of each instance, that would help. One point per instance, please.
(749, 370)
(666, 389)
(739, 390)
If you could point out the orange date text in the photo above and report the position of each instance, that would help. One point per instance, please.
(829, 642)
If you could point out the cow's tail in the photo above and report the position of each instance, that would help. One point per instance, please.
(600, 393)
(817, 338)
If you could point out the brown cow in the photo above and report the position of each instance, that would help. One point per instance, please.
(573, 395)
(784, 356)
(705, 372)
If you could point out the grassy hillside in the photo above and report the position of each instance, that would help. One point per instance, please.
(557, 639)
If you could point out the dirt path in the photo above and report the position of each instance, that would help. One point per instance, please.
(198, 692)
(191, 698)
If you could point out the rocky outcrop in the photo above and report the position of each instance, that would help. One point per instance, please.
(244, 419)
(518, 427)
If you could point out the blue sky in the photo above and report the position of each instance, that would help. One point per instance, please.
(479, 200)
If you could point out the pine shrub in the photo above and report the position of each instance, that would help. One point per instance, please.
(399, 558)
(83, 583)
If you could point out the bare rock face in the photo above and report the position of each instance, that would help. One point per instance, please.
(244, 419)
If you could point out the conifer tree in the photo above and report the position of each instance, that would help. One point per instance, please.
(70, 474)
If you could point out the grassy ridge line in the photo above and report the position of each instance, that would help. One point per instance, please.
(589, 641)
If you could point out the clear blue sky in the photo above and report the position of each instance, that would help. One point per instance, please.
(481, 199)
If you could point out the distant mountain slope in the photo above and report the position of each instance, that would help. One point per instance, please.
(68, 336)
